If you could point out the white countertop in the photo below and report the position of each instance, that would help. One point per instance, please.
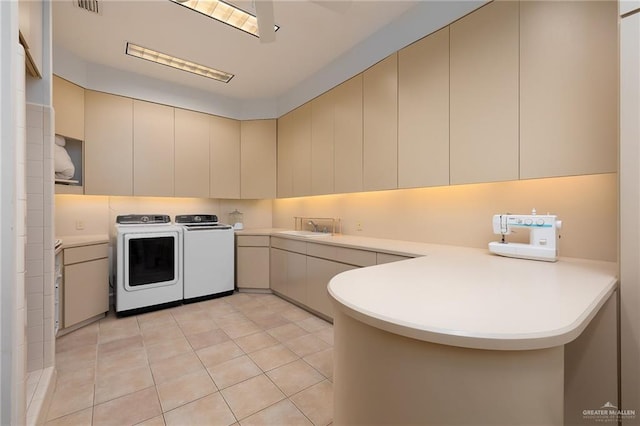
(470, 298)
(82, 240)
(258, 231)
(381, 245)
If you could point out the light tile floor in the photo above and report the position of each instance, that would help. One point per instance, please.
(247, 359)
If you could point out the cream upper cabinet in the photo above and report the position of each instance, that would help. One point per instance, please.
(68, 103)
(348, 136)
(423, 112)
(285, 156)
(224, 168)
(294, 152)
(258, 159)
(484, 95)
(319, 273)
(322, 144)
(568, 88)
(153, 149)
(301, 165)
(191, 154)
(380, 115)
(108, 145)
(31, 34)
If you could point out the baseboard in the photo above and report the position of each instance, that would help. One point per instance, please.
(39, 407)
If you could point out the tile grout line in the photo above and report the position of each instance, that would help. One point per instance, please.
(243, 310)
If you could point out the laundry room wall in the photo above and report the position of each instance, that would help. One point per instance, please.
(90, 214)
(461, 214)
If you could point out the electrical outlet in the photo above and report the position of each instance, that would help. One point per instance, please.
(79, 225)
(359, 226)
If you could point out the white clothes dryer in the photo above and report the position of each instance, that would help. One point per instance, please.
(149, 269)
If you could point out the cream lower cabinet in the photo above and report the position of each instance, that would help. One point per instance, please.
(278, 270)
(297, 277)
(319, 273)
(301, 271)
(382, 258)
(86, 283)
(252, 262)
(288, 274)
(288, 268)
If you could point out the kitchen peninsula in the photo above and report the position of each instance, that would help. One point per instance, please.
(460, 336)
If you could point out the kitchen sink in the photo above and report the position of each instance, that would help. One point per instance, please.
(305, 234)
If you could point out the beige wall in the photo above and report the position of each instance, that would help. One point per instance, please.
(457, 215)
(461, 215)
(98, 213)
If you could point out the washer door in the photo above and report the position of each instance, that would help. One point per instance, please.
(151, 260)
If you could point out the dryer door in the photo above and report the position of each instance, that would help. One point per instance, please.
(151, 260)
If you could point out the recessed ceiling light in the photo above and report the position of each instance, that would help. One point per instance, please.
(226, 13)
(177, 63)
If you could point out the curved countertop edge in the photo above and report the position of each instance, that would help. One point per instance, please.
(487, 341)
(545, 340)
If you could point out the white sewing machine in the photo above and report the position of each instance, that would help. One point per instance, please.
(543, 236)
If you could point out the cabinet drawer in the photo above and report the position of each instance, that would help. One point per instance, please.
(342, 254)
(290, 245)
(388, 258)
(252, 240)
(85, 253)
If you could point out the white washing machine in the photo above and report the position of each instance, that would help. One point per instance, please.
(149, 270)
(209, 259)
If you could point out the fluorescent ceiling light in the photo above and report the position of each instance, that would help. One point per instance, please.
(226, 13)
(181, 64)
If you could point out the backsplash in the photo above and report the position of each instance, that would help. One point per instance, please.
(97, 214)
(461, 214)
(456, 215)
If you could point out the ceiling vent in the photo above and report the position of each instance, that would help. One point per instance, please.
(89, 5)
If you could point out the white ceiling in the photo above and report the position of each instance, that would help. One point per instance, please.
(311, 40)
(310, 37)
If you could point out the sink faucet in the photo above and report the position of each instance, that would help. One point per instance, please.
(312, 223)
